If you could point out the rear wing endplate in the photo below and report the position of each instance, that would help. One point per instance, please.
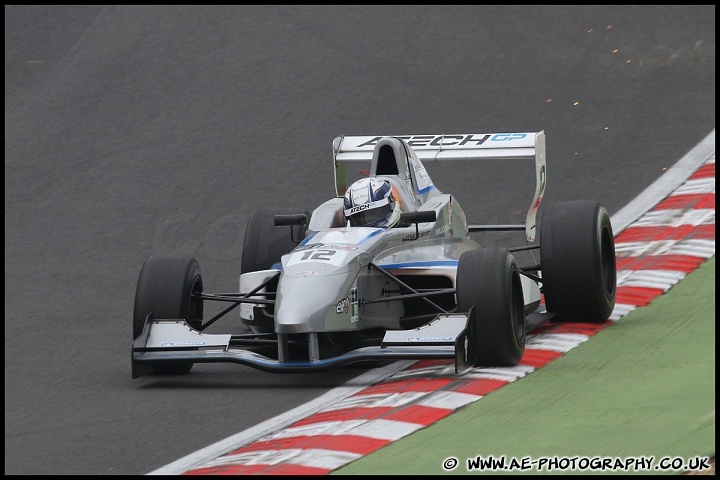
(436, 148)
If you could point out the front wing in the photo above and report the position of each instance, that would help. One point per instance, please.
(174, 341)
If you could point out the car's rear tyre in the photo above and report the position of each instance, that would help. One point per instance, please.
(577, 257)
(165, 289)
(489, 280)
(264, 243)
(263, 246)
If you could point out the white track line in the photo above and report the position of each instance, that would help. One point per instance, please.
(250, 435)
(667, 183)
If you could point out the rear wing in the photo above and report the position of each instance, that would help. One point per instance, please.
(445, 147)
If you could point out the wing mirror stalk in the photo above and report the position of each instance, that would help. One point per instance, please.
(409, 218)
(296, 221)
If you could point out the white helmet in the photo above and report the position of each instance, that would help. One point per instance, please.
(371, 202)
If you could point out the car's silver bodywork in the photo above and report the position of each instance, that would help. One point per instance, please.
(339, 279)
(329, 268)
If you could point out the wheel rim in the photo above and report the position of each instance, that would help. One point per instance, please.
(518, 311)
(195, 308)
(609, 272)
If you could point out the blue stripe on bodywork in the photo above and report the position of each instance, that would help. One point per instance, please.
(376, 232)
(438, 263)
(308, 239)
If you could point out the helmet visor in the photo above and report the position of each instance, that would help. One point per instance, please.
(374, 215)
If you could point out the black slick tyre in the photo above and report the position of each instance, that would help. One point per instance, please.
(488, 279)
(577, 256)
(165, 289)
(263, 246)
(264, 243)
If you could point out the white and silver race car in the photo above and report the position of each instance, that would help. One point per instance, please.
(317, 293)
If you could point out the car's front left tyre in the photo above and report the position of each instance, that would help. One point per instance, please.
(488, 279)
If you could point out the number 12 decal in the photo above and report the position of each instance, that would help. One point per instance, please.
(319, 255)
(325, 255)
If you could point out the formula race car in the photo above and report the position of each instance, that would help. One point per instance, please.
(322, 289)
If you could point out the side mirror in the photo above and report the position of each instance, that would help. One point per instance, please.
(425, 216)
(409, 218)
(288, 220)
(296, 222)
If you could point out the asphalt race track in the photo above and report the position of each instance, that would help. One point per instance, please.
(133, 130)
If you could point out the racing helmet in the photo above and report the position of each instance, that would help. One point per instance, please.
(371, 202)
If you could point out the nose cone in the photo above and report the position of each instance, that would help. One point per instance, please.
(312, 304)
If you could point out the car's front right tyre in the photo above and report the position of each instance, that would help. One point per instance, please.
(165, 289)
